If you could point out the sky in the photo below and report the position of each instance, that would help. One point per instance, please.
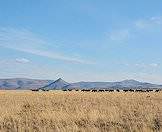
(81, 40)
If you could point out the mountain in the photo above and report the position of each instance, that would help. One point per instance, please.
(25, 84)
(126, 84)
(58, 84)
(22, 83)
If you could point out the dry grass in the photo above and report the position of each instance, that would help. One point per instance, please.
(80, 112)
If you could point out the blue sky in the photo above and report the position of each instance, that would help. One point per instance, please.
(81, 40)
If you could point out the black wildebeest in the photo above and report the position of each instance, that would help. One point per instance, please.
(149, 90)
(65, 90)
(94, 90)
(140, 90)
(69, 89)
(117, 90)
(157, 90)
(85, 90)
(101, 90)
(76, 89)
(125, 90)
(35, 90)
(111, 90)
(131, 90)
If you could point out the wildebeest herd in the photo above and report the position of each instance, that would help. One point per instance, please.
(105, 90)
(114, 90)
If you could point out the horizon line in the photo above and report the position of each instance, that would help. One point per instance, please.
(77, 81)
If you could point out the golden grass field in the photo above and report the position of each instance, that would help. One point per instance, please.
(57, 111)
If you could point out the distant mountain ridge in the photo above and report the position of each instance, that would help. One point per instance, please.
(26, 84)
(126, 84)
(22, 83)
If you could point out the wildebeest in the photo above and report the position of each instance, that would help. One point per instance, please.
(69, 89)
(65, 90)
(94, 90)
(76, 89)
(111, 90)
(140, 90)
(131, 90)
(85, 90)
(125, 90)
(149, 90)
(101, 90)
(35, 90)
(117, 90)
(157, 90)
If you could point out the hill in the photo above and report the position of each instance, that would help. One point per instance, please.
(56, 85)
(22, 83)
(25, 84)
(126, 84)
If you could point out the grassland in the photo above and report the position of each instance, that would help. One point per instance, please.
(27, 111)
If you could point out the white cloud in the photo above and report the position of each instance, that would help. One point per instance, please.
(154, 65)
(150, 22)
(28, 42)
(131, 31)
(156, 20)
(144, 65)
(119, 35)
(22, 60)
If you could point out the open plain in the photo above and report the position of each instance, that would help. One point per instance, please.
(58, 111)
